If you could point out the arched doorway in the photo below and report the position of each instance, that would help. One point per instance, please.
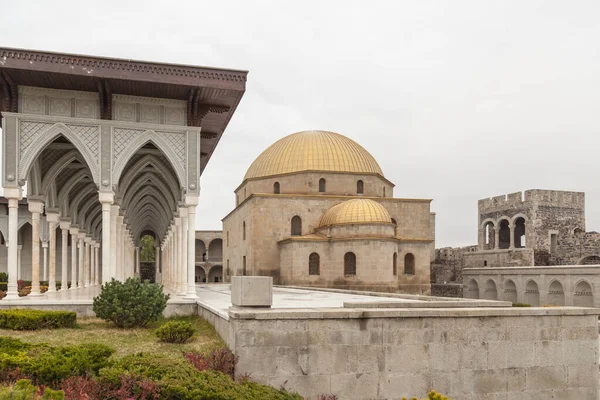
(200, 251)
(215, 250)
(215, 274)
(200, 274)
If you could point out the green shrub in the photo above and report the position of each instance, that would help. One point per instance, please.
(47, 365)
(131, 303)
(175, 332)
(521, 305)
(24, 390)
(28, 320)
(3, 277)
(4, 286)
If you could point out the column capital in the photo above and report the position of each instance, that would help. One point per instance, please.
(65, 224)
(114, 209)
(45, 244)
(191, 200)
(35, 204)
(52, 216)
(81, 235)
(13, 193)
(74, 230)
(183, 212)
(106, 197)
(87, 240)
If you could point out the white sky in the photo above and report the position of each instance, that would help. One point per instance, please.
(457, 100)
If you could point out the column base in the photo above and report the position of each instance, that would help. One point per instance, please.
(191, 294)
(35, 294)
(11, 296)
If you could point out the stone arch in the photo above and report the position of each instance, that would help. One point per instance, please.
(150, 191)
(200, 250)
(276, 188)
(532, 293)
(215, 274)
(43, 139)
(360, 187)
(519, 239)
(143, 180)
(556, 293)
(34, 180)
(490, 291)
(296, 228)
(322, 185)
(510, 291)
(215, 249)
(63, 195)
(395, 264)
(503, 233)
(59, 166)
(590, 260)
(489, 236)
(584, 294)
(200, 274)
(472, 289)
(87, 191)
(136, 169)
(137, 143)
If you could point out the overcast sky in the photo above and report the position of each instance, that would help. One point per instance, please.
(457, 100)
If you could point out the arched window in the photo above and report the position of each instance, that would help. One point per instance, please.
(485, 263)
(349, 264)
(321, 185)
(395, 264)
(360, 189)
(409, 264)
(276, 188)
(314, 264)
(244, 230)
(296, 226)
(384, 191)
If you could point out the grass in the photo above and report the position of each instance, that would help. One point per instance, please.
(124, 341)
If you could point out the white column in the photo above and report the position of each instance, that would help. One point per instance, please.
(156, 263)
(86, 263)
(19, 265)
(64, 229)
(13, 195)
(182, 269)
(176, 275)
(106, 198)
(35, 208)
(119, 273)
(52, 224)
(92, 261)
(96, 264)
(138, 264)
(45, 250)
(191, 202)
(114, 212)
(81, 263)
(74, 232)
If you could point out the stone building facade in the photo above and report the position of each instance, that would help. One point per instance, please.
(532, 228)
(209, 256)
(315, 209)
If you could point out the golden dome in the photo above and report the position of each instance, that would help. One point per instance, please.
(356, 211)
(313, 151)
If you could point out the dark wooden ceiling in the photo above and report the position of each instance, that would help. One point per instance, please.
(212, 94)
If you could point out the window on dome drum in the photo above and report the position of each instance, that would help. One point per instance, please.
(244, 230)
(227, 238)
(314, 264)
(409, 264)
(349, 264)
(296, 226)
(384, 191)
(244, 266)
(360, 189)
(276, 188)
(395, 264)
(321, 185)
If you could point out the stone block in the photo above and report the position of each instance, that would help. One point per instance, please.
(355, 386)
(582, 376)
(252, 291)
(580, 352)
(546, 378)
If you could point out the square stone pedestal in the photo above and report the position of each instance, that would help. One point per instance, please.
(252, 291)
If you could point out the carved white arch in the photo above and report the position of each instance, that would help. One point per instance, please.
(562, 285)
(34, 180)
(83, 210)
(585, 281)
(46, 137)
(151, 191)
(58, 166)
(74, 206)
(537, 286)
(63, 196)
(91, 217)
(159, 184)
(508, 280)
(51, 200)
(142, 139)
(158, 218)
(136, 169)
(142, 207)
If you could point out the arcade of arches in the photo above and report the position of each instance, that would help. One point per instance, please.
(106, 160)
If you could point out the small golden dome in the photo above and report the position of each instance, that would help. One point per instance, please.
(356, 211)
(313, 151)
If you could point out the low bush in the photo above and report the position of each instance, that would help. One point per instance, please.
(3, 277)
(175, 332)
(521, 305)
(91, 388)
(29, 320)
(433, 395)
(222, 360)
(47, 365)
(4, 286)
(24, 390)
(131, 303)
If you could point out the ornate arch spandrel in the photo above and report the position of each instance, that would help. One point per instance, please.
(35, 136)
(126, 142)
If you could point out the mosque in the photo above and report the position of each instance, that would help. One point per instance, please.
(315, 209)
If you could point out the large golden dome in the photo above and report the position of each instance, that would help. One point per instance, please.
(313, 151)
(356, 211)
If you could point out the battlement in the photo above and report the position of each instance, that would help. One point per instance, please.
(553, 198)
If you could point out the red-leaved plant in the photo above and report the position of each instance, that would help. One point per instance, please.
(11, 375)
(131, 387)
(221, 360)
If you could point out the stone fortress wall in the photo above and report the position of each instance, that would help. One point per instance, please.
(531, 228)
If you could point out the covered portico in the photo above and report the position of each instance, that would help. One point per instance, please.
(108, 150)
